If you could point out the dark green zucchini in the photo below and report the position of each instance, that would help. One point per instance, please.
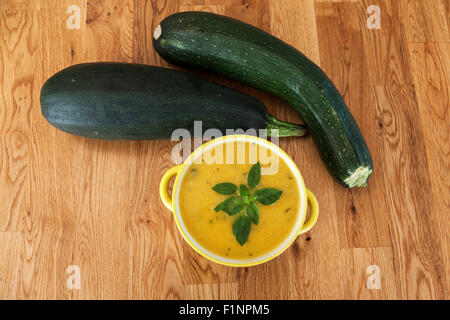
(134, 102)
(245, 53)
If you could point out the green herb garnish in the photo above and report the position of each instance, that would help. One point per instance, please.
(232, 205)
(243, 191)
(252, 212)
(225, 188)
(241, 229)
(254, 176)
(244, 203)
(267, 196)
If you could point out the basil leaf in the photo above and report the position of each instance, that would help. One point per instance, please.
(243, 191)
(252, 212)
(232, 205)
(225, 188)
(268, 196)
(254, 176)
(241, 229)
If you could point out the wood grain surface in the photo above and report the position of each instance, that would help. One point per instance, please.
(69, 201)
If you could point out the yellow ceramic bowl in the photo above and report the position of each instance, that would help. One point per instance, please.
(172, 203)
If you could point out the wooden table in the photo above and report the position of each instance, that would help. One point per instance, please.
(71, 206)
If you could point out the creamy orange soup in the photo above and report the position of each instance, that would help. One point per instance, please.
(213, 230)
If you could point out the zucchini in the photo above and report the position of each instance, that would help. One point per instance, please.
(134, 102)
(245, 53)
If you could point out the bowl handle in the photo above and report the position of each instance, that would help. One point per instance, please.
(164, 184)
(313, 212)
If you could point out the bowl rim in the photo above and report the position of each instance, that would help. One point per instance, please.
(229, 261)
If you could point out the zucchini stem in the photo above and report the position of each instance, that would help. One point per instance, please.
(285, 129)
(359, 177)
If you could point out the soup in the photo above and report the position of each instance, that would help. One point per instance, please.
(213, 230)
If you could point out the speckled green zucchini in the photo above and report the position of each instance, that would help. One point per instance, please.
(245, 53)
(133, 102)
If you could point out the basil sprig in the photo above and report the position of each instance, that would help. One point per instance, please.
(243, 202)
